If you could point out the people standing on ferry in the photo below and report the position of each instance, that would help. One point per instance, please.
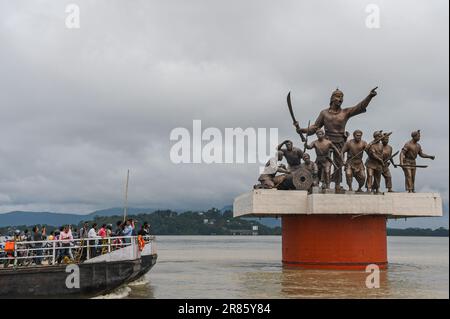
(107, 239)
(133, 225)
(92, 235)
(49, 245)
(56, 235)
(119, 228)
(17, 235)
(66, 238)
(102, 231)
(145, 230)
(109, 230)
(128, 230)
(118, 233)
(83, 233)
(26, 236)
(45, 250)
(44, 233)
(36, 236)
(75, 232)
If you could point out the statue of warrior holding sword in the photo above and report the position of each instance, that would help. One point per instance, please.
(334, 119)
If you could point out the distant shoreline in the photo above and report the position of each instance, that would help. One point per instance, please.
(167, 222)
(279, 235)
(418, 232)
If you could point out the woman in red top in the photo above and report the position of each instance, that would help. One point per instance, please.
(102, 231)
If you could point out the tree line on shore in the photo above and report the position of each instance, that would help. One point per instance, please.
(167, 222)
(211, 222)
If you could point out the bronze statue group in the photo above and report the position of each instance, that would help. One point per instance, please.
(334, 152)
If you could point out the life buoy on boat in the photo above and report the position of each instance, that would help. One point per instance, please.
(141, 242)
(9, 246)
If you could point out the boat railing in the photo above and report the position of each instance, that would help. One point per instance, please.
(77, 250)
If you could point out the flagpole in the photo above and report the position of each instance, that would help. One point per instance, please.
(125, 206)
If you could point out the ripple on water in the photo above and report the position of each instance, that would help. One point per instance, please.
(119, 293)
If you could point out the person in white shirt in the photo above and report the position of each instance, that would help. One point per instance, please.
(93, 243)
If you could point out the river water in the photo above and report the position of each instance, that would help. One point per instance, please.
(235, 267)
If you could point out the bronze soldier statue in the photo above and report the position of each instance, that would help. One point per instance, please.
(334, 119)
(269, 178)
(354, 166)
(375, 162)
(312, 168)
(324, 147)
(388, 160)
(408, 157)
(292, 154)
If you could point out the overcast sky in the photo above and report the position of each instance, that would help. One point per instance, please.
(81, 106)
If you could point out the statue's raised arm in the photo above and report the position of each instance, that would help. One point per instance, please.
(361, 106)
(334, 119)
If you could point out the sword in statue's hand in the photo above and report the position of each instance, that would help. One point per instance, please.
(410, 166)
(295, 122)
(391, 159)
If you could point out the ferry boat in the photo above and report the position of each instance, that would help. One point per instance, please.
(70, 269)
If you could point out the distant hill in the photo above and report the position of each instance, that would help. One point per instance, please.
(33, 218)
(118, 211)
(57, 219)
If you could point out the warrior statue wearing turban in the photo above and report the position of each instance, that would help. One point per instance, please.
(333, 119)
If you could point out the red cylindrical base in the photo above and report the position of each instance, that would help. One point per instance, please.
(334, 241)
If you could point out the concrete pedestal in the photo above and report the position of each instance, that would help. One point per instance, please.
(334, 241)
(335, 231)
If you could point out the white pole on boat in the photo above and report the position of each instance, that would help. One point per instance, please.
(54, 253)
(125, 207)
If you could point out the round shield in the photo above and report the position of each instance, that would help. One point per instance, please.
(302, 179)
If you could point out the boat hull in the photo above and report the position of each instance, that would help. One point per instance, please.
(148, 260)
(58, 281)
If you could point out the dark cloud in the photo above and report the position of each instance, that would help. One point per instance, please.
(79, 107)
